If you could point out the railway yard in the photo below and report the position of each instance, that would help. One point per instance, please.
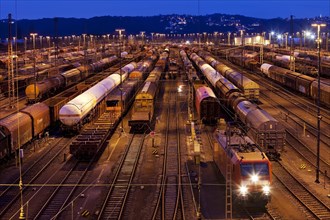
(164, 131)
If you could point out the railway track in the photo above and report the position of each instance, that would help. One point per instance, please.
(306, 198)
(62, 193)
(115, 199)
(325, 137)
(170, 203)
(305, 152)
(258, 214)
(305, 104)
(10, 195)
(266, 212)
(31, 176)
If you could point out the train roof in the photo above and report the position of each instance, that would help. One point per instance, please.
(265, 67)
(242, 80)
(203, 91)
(242, 148)
(148, 91)
(116, 93)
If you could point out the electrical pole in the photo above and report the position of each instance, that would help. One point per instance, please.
(34, 65)
(319, 117)
(11, 84)
(292, 58)
(121, 78)
(56, 43)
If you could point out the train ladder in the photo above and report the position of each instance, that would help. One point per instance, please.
(229, 209)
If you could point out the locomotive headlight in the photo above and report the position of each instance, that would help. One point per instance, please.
(243, 190)
(254, 178)
(266, 190)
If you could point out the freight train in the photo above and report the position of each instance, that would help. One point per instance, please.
(207, 104)
(23, 80)
(250, 169)
(43, 71)
(188, 67)
(249, 88)
(304, 84)
(18, 129)
(305, 62)
(47, 87)
(266, 131)
(82, 108)
(144, 104)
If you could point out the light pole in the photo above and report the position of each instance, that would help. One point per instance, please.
(84, 38)
(242, 37)
(286, 40)
(121, 79)
(48, 40)
(319, 117)
(229, 38)
(142, 35)
(34, 64)
(40, 37)
(270, 37)
(25, 40)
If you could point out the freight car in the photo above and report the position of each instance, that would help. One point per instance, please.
(91, 138)
(188, 67)
(82, 109)
(117, 102)
(47, 87)
(144, 67)
(304, 84)
(144, 104)
(121, 98)
(262, 127)
(21, 81)
(207, 104)
(250, 169)
(249, 88)
(20, 128)
(266, 131)
(143, 108)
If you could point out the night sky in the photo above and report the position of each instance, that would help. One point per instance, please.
(32, 9)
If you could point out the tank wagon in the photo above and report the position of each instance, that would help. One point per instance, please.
(188, 67)
(299, 82)
(144, 67)
(82, 109)
(251, 170)
(266, 131)
(117, 102)
(41, 116)
(249, 88)
(47, 87)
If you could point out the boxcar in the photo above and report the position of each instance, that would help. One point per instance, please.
(207, 105)
(40, 116)
(18, 128)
